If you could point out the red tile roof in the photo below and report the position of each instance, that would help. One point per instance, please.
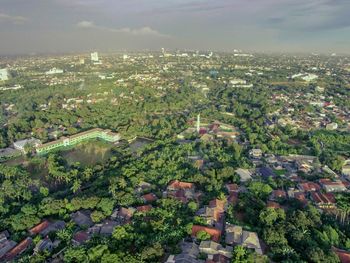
(19, 249)
(150, 197)
(214, 233)
(279, 194)
(271, 204)
(40, 227)
(233, 198)
(180, 185)
(309, 187)
(320, 198)
(344, 256)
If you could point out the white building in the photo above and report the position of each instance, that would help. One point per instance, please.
(94, 57)
(54, 71)
(4, 74)
(332, 126)
(20, 145)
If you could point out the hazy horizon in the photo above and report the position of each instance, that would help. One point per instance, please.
(68, 26)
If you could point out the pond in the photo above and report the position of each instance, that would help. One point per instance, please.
(88, 153)
(139, 143)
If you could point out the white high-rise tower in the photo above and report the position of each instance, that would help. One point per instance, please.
(94, 57)
(198, 122)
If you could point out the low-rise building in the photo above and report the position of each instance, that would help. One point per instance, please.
(235, 235)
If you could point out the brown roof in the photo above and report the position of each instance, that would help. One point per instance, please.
(233, 198)
(81, 237)
(40, 227)
(320, 198)
(309, 186)
(214, 233)
(220, 204)
(271, 204)
(144, 208)
(20, 248)
(232, 187)
(180, 185)
(279, 194)
(150, 197)
(344, 256)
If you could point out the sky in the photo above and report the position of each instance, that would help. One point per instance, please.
(60, 26)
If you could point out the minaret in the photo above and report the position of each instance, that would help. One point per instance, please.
(198, 122)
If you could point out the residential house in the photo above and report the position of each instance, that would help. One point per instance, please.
(266, 172)
(332, 186)
(82, 218)
(53, 227)
(19, 249)
(44, 244)
(213, 248)
(255, 153)
(244, 174)
(143, 208)
(5, 244)
(38, 228)
(235, 235)
(215, 234)
(343, 255)
(149, 198)
(309, 187)
(278, 195)
(80, 238)
(123, 215)
(189, 254)
(182, 191)
(323, 200)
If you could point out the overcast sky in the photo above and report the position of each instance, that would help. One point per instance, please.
(110, 25)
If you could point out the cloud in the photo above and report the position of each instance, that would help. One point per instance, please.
(12, 19)
(142, 31)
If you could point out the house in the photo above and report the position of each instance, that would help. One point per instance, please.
(80, 238)
(108, 227)
(189, 254)
(301, 197)
(278, 195)
(274, 205)
(143, 208)
(235, 235)
(82, 218)
(53, 227)
(343, 255)
(322, 200)
(143, 186)
(233, 198)
(232, 187)
(309, 187)
(215, 234)
(123, 215)
(44, 244)
(212, 248)
(255, 153)
(244, 174)
(181, 191)
(39, 228)
(149, 198)
(20, 145)
(266, 172)
(5, 244)
(332, 186)
(19, 249)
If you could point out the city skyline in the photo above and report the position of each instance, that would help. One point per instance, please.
(59, 26)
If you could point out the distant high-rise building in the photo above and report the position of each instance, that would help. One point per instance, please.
(94, 57)
(198, 122)
(4, 74)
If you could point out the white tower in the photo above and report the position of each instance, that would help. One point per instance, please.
(94, 57)
(198, 122)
